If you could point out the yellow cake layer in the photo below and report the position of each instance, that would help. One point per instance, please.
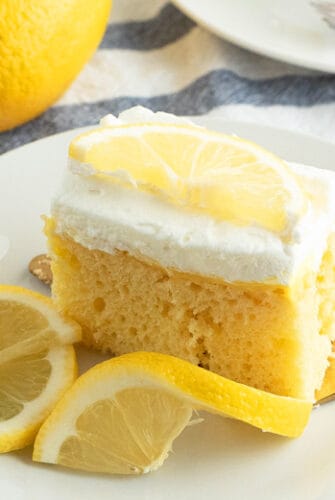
(273, 337)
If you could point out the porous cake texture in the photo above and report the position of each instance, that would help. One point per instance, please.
(240, 302)
(273, 337)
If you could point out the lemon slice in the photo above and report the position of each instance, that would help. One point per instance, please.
(123, 415)
(226, 177)
(37, 363)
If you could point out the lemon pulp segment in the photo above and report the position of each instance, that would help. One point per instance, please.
(220, 175)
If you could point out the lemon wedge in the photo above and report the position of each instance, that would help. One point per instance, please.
(37, 363)
(226, 177)
(123, 415)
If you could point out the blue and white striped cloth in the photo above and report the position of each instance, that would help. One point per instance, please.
(153, 55)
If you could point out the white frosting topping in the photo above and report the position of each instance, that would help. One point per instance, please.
(108, 216)
(139, 114)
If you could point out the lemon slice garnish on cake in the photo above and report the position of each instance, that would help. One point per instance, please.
(123, 415)
(37, 363)
(221, 175)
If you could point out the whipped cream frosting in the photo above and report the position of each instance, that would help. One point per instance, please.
(109, 217)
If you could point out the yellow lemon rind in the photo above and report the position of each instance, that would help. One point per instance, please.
(201, 389)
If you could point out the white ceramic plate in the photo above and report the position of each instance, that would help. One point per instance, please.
(219, 458)
(289, 30)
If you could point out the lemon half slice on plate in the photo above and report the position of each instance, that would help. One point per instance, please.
(37, 363)
(123, 415)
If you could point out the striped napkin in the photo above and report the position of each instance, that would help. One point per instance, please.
(153, 55)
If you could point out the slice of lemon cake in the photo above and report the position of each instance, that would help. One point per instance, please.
(167, 237)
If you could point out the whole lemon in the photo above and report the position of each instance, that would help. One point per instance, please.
(43, 45)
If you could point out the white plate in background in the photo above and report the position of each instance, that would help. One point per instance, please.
(292, 31)
(219, 458)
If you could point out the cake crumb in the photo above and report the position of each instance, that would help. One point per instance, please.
(40, 266)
